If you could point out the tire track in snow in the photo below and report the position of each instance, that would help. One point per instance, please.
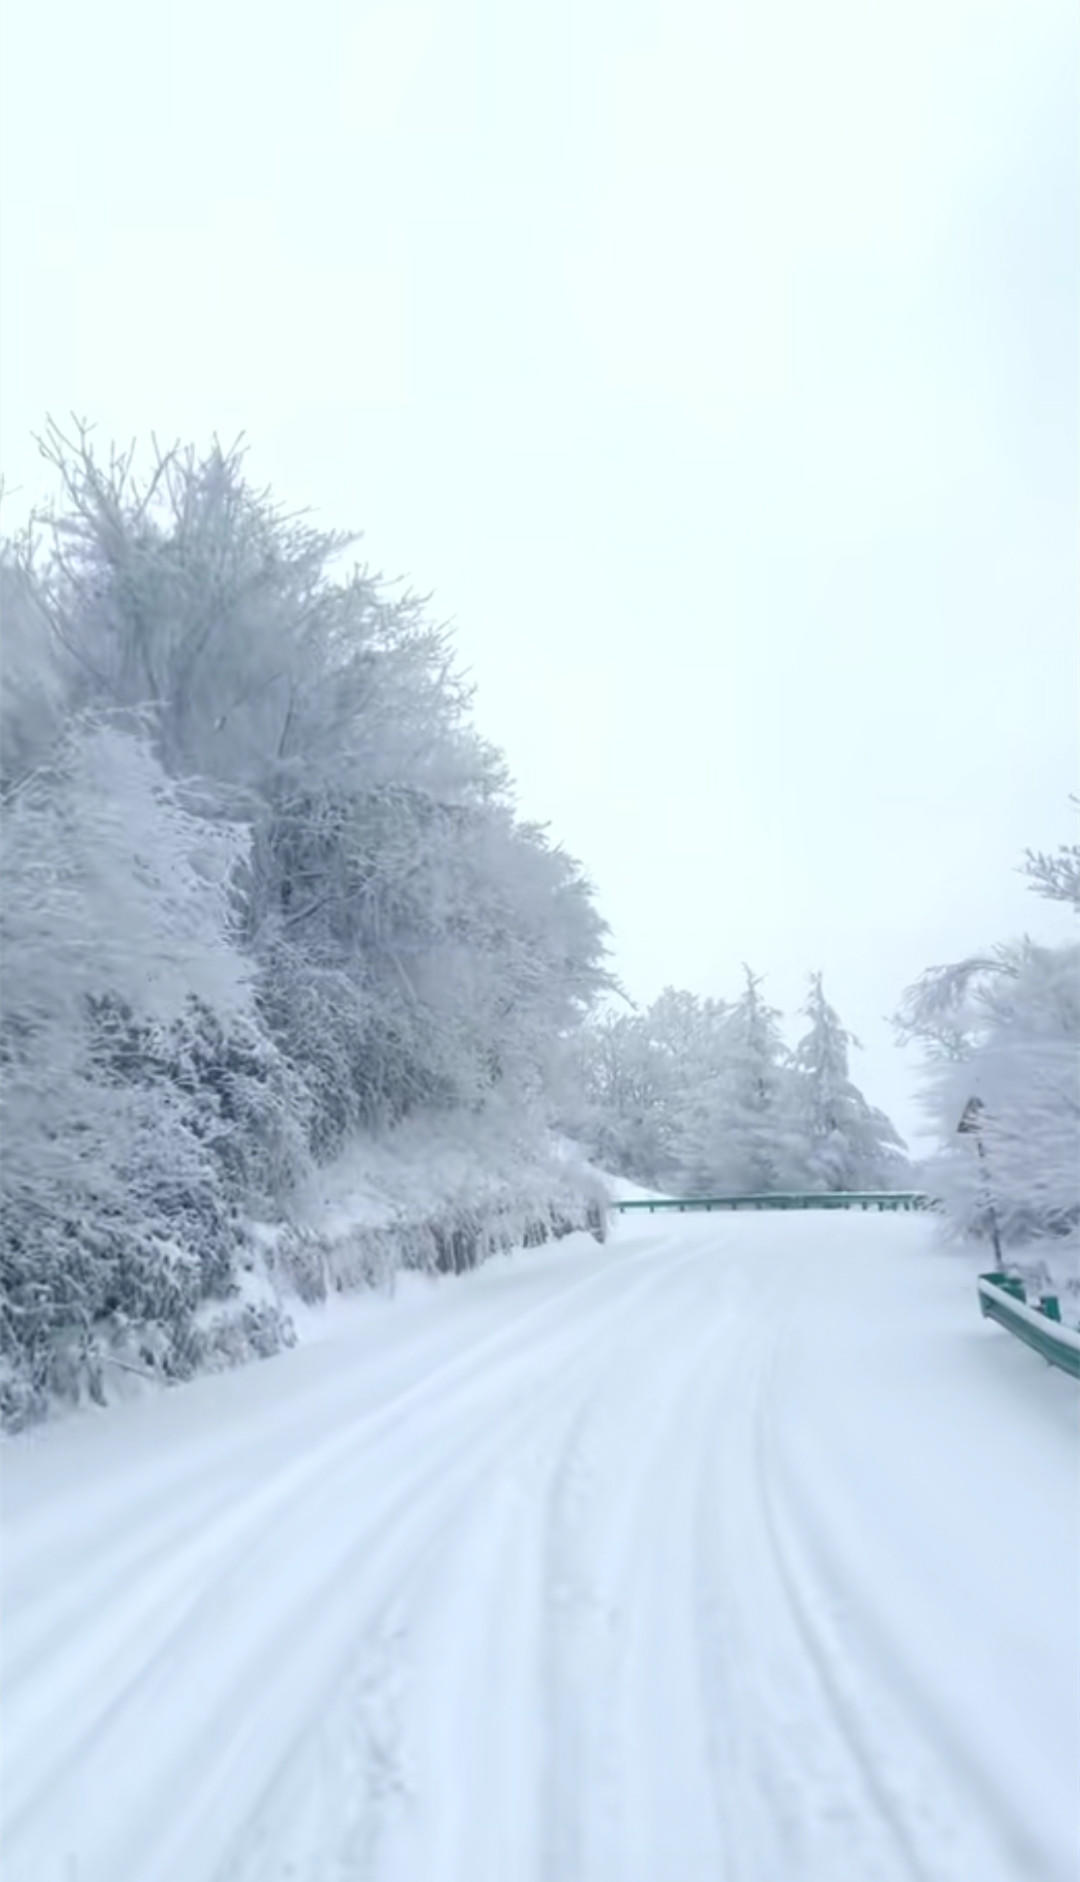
(890, 1721)
(599, 1547)
(878, 1794)
(29, 1559)
(479, 1621)
(735, 1645)
(713, 1609)
(624, 1733)
(301, 1506)
(48, 1628)
(800, 1798)
(561, 1610)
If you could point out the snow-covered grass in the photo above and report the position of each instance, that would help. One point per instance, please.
(428, 1164)
(434, 1194)
(732, 1548)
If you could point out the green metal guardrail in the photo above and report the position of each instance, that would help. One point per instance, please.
(812, 1199)
(1002, 1298)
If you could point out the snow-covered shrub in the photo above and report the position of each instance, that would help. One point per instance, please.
(232, 1335)
(116, 913)
(435, 1194)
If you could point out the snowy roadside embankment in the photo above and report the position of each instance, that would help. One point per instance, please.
(434, 1196)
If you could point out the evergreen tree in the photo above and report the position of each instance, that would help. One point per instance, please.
(847, 1143)
(743, 1141)
(689, 1035)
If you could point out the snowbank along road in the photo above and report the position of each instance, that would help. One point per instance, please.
(735, 1551)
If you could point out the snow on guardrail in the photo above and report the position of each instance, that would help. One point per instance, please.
(1002, 1298)
(810, 1199)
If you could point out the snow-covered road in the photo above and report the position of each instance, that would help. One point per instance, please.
(736, 1551)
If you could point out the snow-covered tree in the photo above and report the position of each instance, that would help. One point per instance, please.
(33, 695)
(1003, 1028)
(743, 1139)
(619, 1098)
(266, 888)
(116, 933)
(845, 1142)
(691, 1036)
(637, 1085)
(691, 1095)
(416, 942)
(1056, 874)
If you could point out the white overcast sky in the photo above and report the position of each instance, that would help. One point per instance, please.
(715, 366)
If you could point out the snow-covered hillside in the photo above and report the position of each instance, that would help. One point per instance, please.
(733, 1551)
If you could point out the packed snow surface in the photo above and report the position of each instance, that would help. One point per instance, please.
(739, 1550)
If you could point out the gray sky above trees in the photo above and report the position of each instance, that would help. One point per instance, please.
(715, 365)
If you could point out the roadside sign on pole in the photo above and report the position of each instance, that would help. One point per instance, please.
(971, 1125)
(971, 1117)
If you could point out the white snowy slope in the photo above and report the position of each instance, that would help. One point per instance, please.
(739, 1550)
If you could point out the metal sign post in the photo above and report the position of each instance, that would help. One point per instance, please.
(971, 1124)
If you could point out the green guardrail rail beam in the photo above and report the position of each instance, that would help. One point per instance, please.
(811, 1199)
(1002, 1297)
